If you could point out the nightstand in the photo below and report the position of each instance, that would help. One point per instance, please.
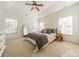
(59, 37)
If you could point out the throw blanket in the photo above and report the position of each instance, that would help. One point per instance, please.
(40, 39)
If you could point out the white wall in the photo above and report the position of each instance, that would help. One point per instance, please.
(8, 14)
(32, 23)
(51, 21)
(22, 19)
(1, 21)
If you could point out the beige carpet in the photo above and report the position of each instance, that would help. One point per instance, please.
(20, 48)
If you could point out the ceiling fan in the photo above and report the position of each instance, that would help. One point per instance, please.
(34, 5)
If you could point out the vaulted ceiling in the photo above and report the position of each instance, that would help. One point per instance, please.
(19, 7)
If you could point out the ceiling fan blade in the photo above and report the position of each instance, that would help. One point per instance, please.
(37, 8)
(34, 5)
(31, 8)
(39, 4)
(34, 2)
(28, 4)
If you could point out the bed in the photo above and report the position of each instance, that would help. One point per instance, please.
(39, 40)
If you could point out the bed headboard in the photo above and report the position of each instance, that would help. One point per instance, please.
(49, 31)
(25, 30)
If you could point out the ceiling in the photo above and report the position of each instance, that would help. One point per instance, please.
(19, 7)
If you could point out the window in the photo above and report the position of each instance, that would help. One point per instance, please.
(41, 25)
(11, 25)
(65, 25)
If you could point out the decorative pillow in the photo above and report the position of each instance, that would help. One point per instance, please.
(55, 30)
(43, 31)
(48, 31)
(52, 31)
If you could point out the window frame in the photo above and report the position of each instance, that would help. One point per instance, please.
(9, 26)
(65, 26)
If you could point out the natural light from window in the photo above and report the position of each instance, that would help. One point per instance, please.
(11, 25)
(65, 25)
(41, 25)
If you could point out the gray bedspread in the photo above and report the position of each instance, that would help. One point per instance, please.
(40, 39)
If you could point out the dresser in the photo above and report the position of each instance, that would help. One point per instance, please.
(2, 42)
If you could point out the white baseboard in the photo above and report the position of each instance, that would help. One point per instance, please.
(72, 42)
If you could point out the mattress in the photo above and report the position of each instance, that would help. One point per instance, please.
(51, 37)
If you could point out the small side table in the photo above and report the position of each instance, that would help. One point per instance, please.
(59, 37)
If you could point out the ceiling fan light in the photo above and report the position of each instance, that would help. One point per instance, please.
(34, 6)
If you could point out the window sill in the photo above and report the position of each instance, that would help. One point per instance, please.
(68, 34)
